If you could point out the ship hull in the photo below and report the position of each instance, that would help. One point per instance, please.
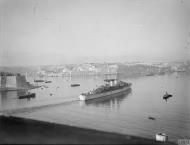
(110, 93)
(32, 95)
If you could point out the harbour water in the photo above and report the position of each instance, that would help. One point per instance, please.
(126, 114)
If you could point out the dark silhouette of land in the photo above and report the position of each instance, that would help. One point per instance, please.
(19, 130)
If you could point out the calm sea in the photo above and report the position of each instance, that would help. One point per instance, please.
(126, 114)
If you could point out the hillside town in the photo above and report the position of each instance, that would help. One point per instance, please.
(90, 69)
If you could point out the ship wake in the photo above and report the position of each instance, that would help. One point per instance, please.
(10, 112)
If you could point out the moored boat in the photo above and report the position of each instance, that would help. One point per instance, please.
(38, 81)
(112, 87)
(27, 96)
(48, 81)
(151, 118)
(166, 96)
(75, 85)
(150, 74)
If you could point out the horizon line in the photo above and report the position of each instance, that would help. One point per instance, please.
(38, 65)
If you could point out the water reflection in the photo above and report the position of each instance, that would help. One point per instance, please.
(10, 99)
(12, 94)
(112, 101)
(22, 92)
(3, 94)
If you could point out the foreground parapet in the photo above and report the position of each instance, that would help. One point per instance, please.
(20, 130)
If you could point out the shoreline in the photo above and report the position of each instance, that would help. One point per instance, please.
(21, 130)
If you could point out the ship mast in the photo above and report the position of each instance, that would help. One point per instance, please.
(108, 71)
(26, 75)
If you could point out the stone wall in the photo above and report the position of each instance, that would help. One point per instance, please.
(3, 81)
(11, 81)
(17, 81)
(21, 81)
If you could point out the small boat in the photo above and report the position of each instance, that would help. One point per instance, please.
(151, 118)
(38, 81)
(27, 96)
(75, 85)
(150, 74)
(161, 137)
(166, 96)
(48, 81)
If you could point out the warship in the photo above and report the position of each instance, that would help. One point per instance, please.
(111, 87)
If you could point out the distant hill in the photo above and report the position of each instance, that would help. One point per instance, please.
(127, 68)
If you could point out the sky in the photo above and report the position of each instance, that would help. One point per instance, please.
(43, 32)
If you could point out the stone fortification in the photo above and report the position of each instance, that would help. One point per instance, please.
(14, 81)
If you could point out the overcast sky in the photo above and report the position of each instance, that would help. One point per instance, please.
(36, 32)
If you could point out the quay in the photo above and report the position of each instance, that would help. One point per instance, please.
(21, 130)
